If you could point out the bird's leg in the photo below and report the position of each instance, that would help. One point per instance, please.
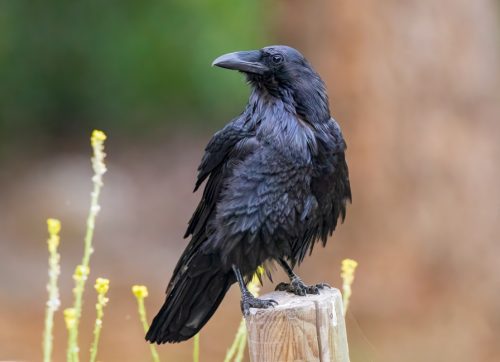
(247, 299)
(296, 285)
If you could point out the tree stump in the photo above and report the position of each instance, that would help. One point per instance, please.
(299, 329)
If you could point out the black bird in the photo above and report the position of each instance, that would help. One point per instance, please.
(277, 182)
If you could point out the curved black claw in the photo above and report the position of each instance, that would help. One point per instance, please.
(249, 301)
(297, 287)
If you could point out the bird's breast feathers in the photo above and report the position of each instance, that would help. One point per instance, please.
(290, 136)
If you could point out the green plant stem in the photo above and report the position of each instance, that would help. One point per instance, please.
(142, 315)
(52, 303)
(240, 340)
(101, 301)
(99, 169)
(235, 346)
(69, 354)
(80, 282)
(241, 347)
(196, 348)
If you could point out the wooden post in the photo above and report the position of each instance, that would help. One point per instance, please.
(300, 329)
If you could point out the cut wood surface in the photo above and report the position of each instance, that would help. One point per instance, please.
(305, 329)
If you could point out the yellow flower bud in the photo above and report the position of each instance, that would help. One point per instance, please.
(70, 317)
(53, 242)
(81, 272)
(140, 291)
(258, 273)
(101, 285)
(254, 285)
(348, 268)
(97, 137)
(54, 226)
(347, 274)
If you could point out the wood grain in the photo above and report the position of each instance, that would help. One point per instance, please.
(299, 329)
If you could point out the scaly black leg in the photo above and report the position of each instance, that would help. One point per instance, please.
(247, 299)
(296, 285)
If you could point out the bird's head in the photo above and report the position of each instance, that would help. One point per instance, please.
(282, 72)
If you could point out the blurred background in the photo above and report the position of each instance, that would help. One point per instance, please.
(414, 85)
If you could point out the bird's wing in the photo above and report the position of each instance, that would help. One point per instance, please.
(227, 147)
(330, 183)
(221, 146)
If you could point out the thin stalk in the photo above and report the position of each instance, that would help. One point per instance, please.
(53, 303)
(241, 347)
(240, 340)
(196, 348)
(141, 292)
(235, 346)
(82, 270)
(102, 287)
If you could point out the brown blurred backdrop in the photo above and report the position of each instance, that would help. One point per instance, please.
(415, 86)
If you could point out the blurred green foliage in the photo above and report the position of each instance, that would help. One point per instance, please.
(121, 65)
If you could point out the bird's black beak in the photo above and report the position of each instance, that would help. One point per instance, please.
(246, 61)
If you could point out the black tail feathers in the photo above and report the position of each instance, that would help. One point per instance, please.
(193, 295)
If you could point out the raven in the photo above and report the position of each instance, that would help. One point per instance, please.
(277, 182)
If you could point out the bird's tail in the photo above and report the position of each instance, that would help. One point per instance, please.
(197, 288)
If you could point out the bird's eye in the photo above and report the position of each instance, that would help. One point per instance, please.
(277, 58)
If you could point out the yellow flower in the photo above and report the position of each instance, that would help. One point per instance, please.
(258, 274)
(54, 226)
(254, 285)
(97, 137)
(81, 272)
(140, 291)
(347, 274)
(70, 317)
(348, 268)
(53, 242)
(101, 285)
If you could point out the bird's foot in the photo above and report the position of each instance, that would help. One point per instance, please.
(297, 287)
(249, 301)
